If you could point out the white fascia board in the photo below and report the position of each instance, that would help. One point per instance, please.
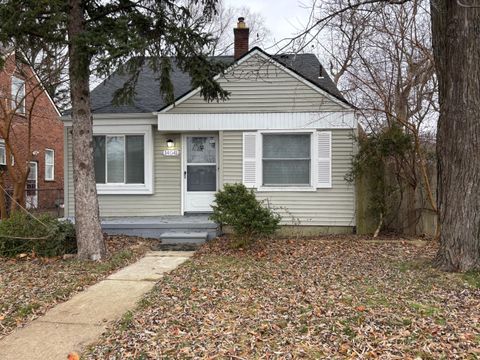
(111, 119)
(45, 91)
(256, 121)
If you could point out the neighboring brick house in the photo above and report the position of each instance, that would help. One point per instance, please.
(22, 95)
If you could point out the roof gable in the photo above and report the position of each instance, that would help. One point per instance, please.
(13, 59)
(265, 76)
(304, 67)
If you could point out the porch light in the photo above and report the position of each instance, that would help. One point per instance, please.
(170, 143)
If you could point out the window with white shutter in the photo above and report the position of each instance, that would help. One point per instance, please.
(250, 159)
(286, 160)
(324, 159)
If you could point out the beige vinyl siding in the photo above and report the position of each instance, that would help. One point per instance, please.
(231, 157)
(166, 199)
(259, 86)
(324, 207)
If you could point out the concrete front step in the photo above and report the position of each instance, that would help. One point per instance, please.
(184, 237)
(155, 233)
(156, 227)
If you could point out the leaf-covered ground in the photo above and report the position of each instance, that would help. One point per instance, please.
(30, 286)
(326, 298)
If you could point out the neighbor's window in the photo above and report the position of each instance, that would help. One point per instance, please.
(286, 159)
(49, 164)
(18, 95)
(119, 159)
(3, 154)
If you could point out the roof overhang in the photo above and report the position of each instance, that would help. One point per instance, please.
(172, 122)
(112, 119)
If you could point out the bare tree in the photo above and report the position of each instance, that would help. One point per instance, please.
(457, 61)
(50, 63)
(381, 57)
(222, 23)
(17, 113)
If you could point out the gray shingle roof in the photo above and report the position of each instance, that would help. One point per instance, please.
(149, 99)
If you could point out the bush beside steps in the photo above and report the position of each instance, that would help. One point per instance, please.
(249, 218)
(44, 236)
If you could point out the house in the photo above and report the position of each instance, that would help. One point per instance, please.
(35, 136)
(285, 131)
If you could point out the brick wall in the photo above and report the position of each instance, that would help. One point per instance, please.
(46, 128)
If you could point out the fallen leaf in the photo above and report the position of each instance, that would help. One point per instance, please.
(73, 356)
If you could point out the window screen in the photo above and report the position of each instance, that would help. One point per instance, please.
(286, 159)
(119, 159)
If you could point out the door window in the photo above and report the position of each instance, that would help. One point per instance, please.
(201, 163)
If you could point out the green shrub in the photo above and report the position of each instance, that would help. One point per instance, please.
(237, 207)
(47, 236)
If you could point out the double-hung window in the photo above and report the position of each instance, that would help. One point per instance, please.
(286, 160)
(119, 159)
(3, 154)
(49, 164)
(18, 95)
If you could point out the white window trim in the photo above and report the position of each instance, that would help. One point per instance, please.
(22, 108)
(2, 145)
(313, 160)
(130, 189)
(329, 159)
(52, 164)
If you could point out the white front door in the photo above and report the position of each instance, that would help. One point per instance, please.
(31, 198)
(199, 172)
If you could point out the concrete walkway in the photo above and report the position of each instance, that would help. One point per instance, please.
(72, 325)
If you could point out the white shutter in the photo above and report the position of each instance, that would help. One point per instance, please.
(324, 159)
(250, 159)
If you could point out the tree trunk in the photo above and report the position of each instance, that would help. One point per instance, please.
(18, 196)
(3, 198)
(456, 44)
(91, 244)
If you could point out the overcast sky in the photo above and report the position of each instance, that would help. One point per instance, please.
(284, 17)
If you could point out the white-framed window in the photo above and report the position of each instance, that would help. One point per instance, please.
(286, 159)
(49, 164)
(3, 154)
(18, 95)
(283, 160)
(119, 159)
(123, 160)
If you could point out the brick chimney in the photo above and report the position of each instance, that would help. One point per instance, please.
(240, 34)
